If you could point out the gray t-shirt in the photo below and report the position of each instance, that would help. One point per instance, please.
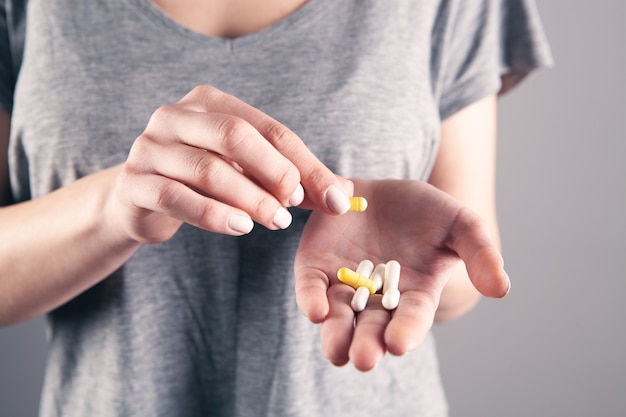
(206, 324)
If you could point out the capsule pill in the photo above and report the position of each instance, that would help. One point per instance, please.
(392, 276)
(359, 300)
(350, 277)
(391, 298)
(365, 268)
(378, 276)
(358, 204)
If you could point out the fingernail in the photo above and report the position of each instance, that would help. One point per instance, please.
(297, 197)
(282, 218)
(240, 223)
(508, 290)
(337, 201)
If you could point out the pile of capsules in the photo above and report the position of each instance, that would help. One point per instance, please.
(368, 280)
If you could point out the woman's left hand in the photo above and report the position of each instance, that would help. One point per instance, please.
(426, 231)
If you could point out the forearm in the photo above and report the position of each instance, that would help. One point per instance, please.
(55, 247)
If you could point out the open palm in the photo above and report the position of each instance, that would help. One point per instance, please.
(421, 227)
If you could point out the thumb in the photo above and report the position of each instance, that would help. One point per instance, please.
(470, 239)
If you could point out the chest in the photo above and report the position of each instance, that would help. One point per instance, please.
(352, 79)
(228, 18)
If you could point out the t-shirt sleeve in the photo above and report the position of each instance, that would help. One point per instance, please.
(481, 47)
(12, 24)
(6, 88)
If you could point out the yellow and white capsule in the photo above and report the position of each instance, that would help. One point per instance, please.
(350, 277)
(358, 204)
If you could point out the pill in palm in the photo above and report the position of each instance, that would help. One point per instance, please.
(391, 298)
(365, 268)
(378, 275)
(359, 300)
(350, 277)
(358, 204)
(392, 276)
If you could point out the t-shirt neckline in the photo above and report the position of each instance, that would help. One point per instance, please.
(158, 16)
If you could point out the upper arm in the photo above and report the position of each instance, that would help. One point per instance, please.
(5, 126)
(465, 164)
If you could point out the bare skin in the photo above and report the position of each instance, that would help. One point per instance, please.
(228, 19)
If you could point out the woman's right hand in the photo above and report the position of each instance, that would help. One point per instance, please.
(218, 163)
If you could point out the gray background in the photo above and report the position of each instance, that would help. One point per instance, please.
(556, 346)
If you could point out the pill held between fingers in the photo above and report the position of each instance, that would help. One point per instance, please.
(365, 268)
(391, 298)
(392, 276)
(350, 277)
(359, 300)
(378, 275)
(358, 204)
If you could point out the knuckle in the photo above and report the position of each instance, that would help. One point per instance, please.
(265, 208)
(287, 179)
(280, 136)
(207, 216)
(206, 168)
(234, 134)
(317, 181)
(142, 143)
(465, 221)
(166, 195)
(206, 94)
(205, 91)
(162, 114)
(138, 159)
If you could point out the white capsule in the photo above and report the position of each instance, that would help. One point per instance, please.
(359, 300)
(391, 298)
(392, 276)
(378, 276)
(365, 268)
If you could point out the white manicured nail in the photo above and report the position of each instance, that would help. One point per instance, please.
(282, 218)
(240, 223)
(336, 200)
(297, 197)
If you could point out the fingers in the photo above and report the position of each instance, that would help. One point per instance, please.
(471, 240)
(411, 322)
(346, 339)
(323, 188)
(376, 330)
(368, 342)
(231, 137)
(311, 286)
(233, 156)
(338, 327)
(164, 196)
(214, 178)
